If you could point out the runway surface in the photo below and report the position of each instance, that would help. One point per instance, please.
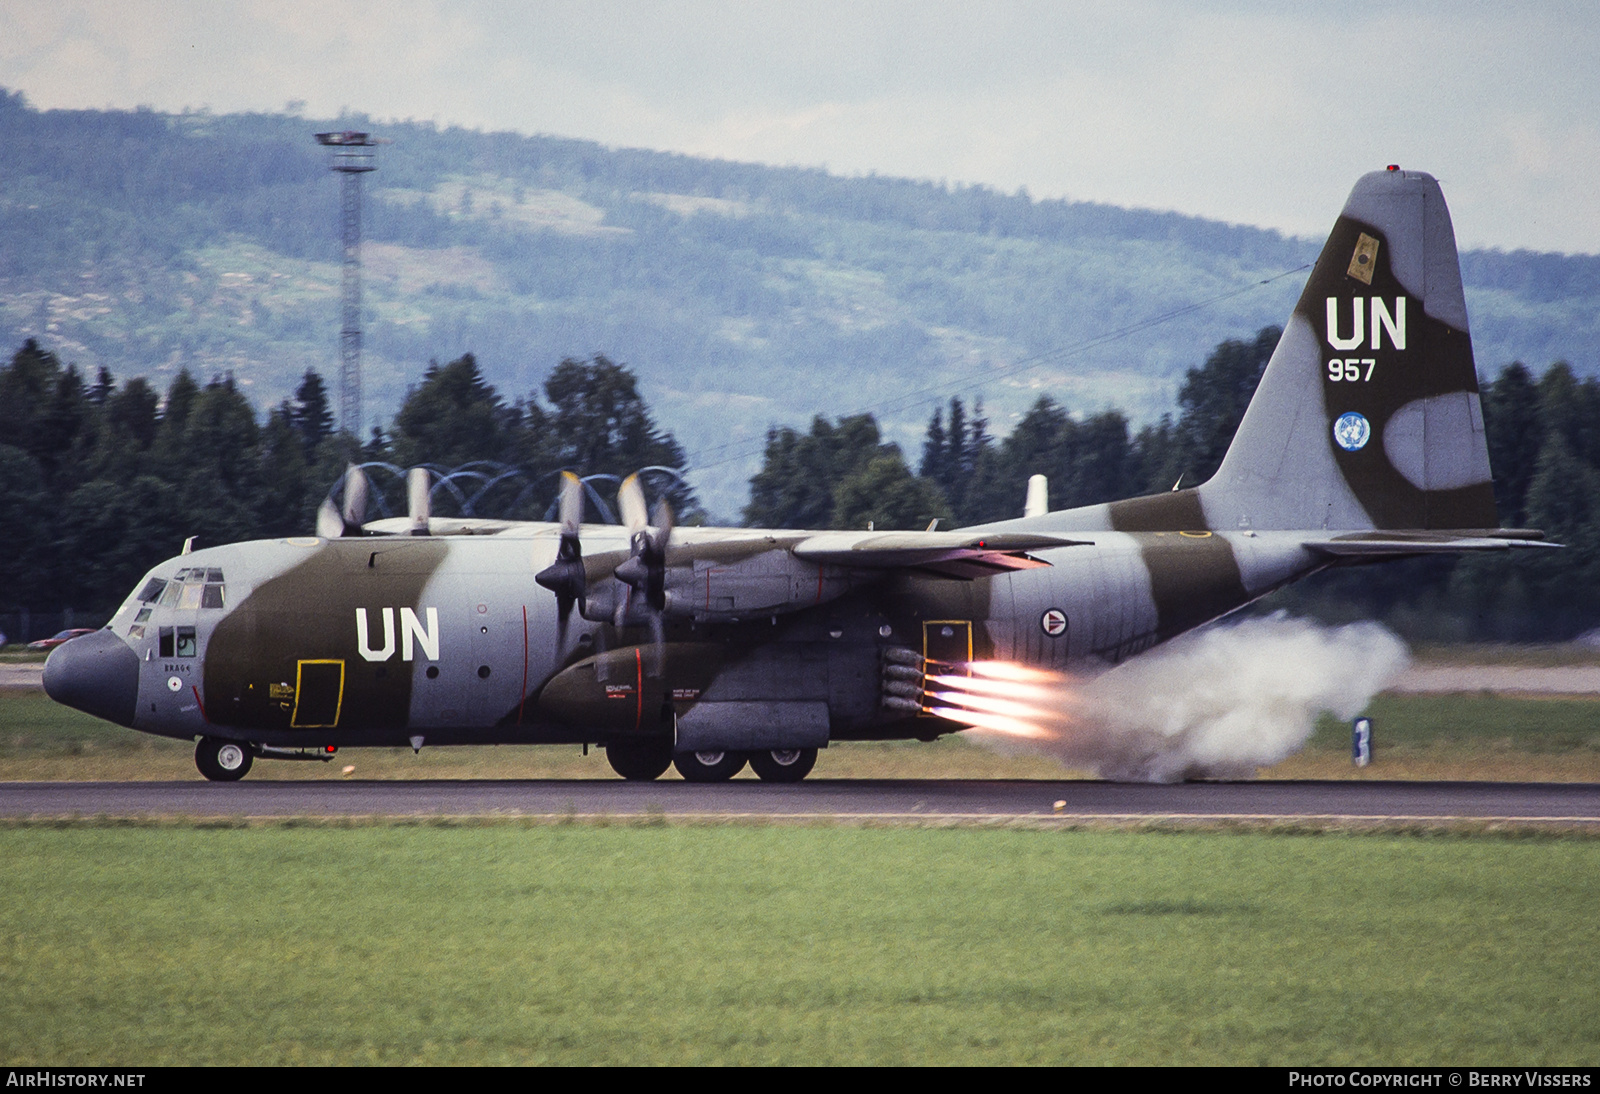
(969, 800)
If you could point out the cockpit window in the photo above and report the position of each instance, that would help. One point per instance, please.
(169, 598)
(213, 595)
(152, 589)
(164, 643)
(214, 575)
(190, 597)
(187, 647)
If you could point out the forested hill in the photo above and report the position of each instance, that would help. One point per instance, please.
(741, 296)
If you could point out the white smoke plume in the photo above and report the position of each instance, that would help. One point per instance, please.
(1217, 703)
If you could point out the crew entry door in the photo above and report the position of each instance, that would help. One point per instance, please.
(318, 694)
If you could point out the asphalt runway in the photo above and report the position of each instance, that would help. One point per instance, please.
(861, 800)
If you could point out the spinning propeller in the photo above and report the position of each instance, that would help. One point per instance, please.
(346, 520)
(645, 571)
(566, 577)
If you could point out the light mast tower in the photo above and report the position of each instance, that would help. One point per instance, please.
(353, 156)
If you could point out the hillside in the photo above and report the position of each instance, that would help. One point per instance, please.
(741, 295)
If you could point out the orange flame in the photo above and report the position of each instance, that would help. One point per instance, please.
(1000, 723)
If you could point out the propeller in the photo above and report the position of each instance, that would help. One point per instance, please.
(645, 571)
(566, 577)
(335, 521)
(419, 500)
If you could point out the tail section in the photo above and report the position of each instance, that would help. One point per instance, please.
(1367, 416)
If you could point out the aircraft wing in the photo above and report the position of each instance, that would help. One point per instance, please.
(953, 554)
(1391, 544)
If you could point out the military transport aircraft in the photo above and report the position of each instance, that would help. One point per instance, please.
(711, 648)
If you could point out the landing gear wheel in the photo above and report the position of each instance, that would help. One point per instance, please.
(783, 765)
(708, 767)
(222, 760)
(639, 761)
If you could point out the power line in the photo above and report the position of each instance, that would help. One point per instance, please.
(745, 450)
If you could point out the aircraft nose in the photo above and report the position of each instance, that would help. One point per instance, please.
(97, 674)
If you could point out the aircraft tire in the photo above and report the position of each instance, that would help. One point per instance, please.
(708, 767)
(639, 761)
(221, 760)
(783, 765)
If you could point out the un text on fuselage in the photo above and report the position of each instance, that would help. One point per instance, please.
(1385, 320)
(413, 633)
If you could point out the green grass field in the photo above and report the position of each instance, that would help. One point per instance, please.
(1476, 736)
(580, 945)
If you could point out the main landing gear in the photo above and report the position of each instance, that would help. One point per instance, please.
(708, 767)
(642, 761)
(222, 760)
(639, 761)
(783, 765)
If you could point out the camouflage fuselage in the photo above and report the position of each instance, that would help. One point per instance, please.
(376, 640)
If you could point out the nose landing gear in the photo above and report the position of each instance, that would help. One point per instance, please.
(222, 760)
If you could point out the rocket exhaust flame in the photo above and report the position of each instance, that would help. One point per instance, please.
(1006, 670)
(998, 723)
(973, 686)
(1218, 703)
(988, 703)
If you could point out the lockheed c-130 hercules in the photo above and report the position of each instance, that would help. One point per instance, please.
(710, 648)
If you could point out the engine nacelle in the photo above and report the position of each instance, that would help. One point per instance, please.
(769, 583)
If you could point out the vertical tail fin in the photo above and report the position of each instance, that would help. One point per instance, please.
(1368, 414)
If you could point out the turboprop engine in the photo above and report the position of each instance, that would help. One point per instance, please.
(770, 581)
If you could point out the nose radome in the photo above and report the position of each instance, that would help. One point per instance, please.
(97, 674)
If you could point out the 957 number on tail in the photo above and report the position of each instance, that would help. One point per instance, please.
(1351, 369)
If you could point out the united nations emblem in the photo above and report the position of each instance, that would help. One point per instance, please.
(1352, 431)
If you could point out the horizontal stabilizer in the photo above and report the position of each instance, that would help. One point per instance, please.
(1391, 544)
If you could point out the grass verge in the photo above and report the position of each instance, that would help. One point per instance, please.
(666, 944)
(1435, 737)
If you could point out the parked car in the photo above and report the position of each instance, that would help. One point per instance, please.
(59, 637)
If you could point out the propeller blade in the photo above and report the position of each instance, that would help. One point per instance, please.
(630, 501)
(356, 489)
(330, 525)
(571, 503)
(645, 571)
(566, 576)
(419, 501)
(658, 644)
(334, 521)
(662, 518)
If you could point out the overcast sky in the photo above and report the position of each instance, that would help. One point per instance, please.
(1257, 113)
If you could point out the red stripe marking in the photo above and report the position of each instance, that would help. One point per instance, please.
(820, 571)
(638, 670)
(524, 664)
(201, 705)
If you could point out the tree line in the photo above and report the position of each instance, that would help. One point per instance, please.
(99, 479)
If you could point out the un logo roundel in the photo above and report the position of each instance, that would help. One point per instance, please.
(1352, 431)
(1054, 622)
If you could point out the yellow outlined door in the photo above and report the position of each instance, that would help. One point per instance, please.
(947, 645)
(318, 695)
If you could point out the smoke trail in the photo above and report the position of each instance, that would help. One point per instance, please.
(1217, 703)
